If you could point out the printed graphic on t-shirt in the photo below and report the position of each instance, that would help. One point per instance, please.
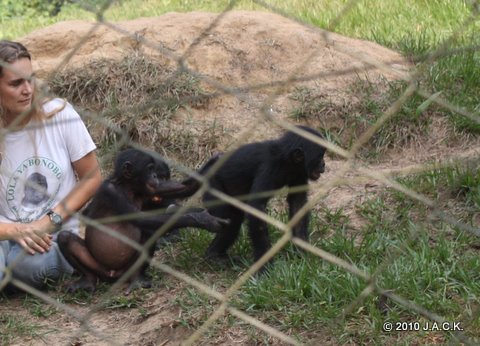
(32, 188)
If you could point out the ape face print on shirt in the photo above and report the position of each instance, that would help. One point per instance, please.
(33, 187)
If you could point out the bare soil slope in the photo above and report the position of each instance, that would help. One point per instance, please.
(242, 49)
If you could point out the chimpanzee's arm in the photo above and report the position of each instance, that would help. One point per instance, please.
(113, 199)
(191, 183)
(197, 219)
(295, 202)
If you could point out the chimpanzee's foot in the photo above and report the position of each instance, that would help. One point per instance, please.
(169, 238)
(84, 283)
(139, 282)
(223, 259)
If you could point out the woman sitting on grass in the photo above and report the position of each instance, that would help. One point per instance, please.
(48, 171)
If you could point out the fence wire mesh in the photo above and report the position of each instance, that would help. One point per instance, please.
(147, 123)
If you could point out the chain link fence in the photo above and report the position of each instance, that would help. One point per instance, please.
(352, 166)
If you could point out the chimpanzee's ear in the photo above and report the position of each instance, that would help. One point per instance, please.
(127, 170)
(298, 155)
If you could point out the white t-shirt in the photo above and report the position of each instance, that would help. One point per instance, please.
(36, 170)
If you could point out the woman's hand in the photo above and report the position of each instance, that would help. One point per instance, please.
(33, 237)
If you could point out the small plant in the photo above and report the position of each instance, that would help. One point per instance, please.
(37, 307)
(465, 183)
(122, 302)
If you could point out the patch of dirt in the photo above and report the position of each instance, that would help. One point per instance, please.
(243, 49)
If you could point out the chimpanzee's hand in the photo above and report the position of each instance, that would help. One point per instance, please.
(209, 222)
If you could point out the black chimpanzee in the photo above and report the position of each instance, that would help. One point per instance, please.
(159, 203)
(258, 167)
(138, 178)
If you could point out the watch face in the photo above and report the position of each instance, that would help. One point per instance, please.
(56, 219)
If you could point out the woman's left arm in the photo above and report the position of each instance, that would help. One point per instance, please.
(89, 179)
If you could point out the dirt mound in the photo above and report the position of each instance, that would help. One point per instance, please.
(243, 48)
(238, 50)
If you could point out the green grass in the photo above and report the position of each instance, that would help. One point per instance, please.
(13, 327)
(429, 262)
(307, 293)
(459, 183)
(344, 122)
(454, 78)
(37, 307)
(458, 78)
(432, 264)
(392, 23)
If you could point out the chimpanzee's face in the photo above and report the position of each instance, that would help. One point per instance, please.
(151, 178)
(316, 166)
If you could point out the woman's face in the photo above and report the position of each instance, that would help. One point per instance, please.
(16, 88)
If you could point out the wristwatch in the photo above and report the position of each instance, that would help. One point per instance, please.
(55, 218)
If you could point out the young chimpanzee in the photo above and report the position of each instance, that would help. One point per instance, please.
(190, 186)
(138, 178)
(259, 167)
(161, 203)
